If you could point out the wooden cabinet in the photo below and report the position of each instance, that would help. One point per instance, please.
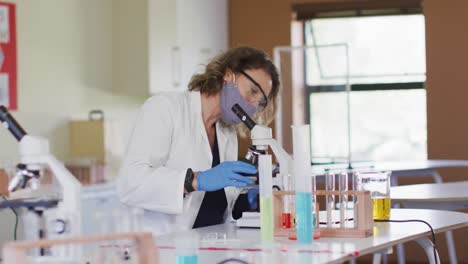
(159, 44)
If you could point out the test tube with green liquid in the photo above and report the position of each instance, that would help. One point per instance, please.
(266, 197)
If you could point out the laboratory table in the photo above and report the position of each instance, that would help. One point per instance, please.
(449, 195)
(221, 242)
(441, 196)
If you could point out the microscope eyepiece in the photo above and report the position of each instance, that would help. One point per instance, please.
(243, 116)
(3, 111)
(10, 123)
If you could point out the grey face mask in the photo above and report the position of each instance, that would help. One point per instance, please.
(230, 96)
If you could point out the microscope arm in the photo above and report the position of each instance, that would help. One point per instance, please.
(262, 138)
(71, 187)
(283, 157)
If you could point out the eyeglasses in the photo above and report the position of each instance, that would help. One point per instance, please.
(261, 98)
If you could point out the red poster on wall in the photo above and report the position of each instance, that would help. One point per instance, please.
(8, 92)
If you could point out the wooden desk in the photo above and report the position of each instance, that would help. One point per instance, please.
(246, 243)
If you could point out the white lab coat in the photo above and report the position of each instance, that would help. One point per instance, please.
(168, 138)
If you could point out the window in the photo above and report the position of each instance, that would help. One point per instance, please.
(386, 56)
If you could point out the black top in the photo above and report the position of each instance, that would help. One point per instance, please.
(214, 203)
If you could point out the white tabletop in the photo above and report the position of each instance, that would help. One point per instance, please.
(431, 192)
(246, 243)
(392, 165)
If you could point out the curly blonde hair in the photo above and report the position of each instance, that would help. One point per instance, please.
(237, 59)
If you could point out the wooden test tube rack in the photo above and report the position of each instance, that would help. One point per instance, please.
(363, 216)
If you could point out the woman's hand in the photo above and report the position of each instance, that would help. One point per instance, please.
(252, 197)
(224, 175)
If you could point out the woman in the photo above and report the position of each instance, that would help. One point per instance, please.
(181, 163)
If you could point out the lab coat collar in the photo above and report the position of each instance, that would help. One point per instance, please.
(222, 132)
(222, 140)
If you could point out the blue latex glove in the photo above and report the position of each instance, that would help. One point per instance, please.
(252, 196)
(225, 174)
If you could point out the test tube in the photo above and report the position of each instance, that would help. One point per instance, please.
(330, 199)
(301, 171)
(342, 187)
(286, 216)
(355, 188)
(186, 249)
(313, 187)
(266, 197)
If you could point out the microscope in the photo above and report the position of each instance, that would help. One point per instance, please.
(261, 137)
(25, 188)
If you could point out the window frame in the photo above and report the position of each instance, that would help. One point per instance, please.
(357, 87)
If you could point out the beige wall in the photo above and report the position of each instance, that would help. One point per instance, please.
(447, 82)
(64, 69)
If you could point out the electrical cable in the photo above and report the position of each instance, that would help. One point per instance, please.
(403, 221)
(234, 260)
(16, 218)
(419, 221)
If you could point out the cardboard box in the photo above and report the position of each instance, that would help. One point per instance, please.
(87, 139)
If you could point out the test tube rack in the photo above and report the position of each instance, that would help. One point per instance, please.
(362, 216)
(15, 252)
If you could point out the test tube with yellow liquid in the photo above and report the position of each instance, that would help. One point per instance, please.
(378, 183)
(266, 198)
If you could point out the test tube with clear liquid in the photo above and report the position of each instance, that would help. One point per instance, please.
(313, 188)
(266, 197)
(354, 179)
(343, 199)
(330, 199)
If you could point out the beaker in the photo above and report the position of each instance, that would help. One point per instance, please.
(378, 184)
